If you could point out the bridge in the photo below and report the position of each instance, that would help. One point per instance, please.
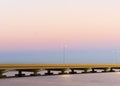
(35, 68)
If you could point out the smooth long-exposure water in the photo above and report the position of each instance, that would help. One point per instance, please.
(97, 79)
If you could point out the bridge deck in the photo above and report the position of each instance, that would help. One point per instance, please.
(54, 66)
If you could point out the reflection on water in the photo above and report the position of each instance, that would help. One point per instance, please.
(98, 79)
(64, 76)
(117, 72)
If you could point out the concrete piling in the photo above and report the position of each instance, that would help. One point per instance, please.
(93, 70)
(1, 75)
(73, 71)
(85, 70)
(63, 71)
(19, 74)
(48, 72)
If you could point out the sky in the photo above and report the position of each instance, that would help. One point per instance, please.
(50, 31)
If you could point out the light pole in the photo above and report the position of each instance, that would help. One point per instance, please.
(116, 55)
(64, 53)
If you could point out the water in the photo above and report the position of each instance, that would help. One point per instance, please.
(97, 79)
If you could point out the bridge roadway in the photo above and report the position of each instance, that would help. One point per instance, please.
(35, 68)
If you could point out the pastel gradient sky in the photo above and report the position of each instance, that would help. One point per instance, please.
(35, 31)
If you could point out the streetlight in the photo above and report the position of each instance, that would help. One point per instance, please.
(116, 53)
(64, 53)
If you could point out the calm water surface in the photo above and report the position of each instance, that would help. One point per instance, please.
(99, 79)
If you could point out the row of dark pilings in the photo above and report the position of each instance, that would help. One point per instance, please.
(62, 71)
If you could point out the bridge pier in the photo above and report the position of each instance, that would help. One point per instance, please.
(1, 74)
(48, 72)
(111, 70)
(63, 71)
(105, 70)
(73, 71)
(19, 74)
(93, 70)
(35, 73)
(85, 70)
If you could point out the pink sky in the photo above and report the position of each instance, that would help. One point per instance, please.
(29, 24)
